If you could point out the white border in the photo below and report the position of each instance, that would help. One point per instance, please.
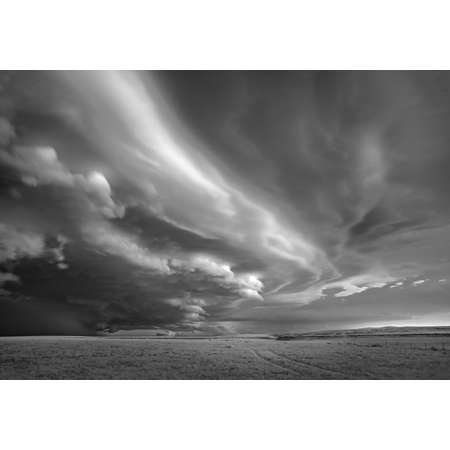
(224, 415)
(236, 34)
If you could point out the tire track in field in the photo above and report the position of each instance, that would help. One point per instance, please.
(262, 355)
(331, 372)
(300, 369)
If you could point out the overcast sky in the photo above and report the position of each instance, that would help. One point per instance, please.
(223, 202)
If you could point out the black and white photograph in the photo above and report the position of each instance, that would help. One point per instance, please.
(224, 225)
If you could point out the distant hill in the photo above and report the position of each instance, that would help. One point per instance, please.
(370, 331)
(325, 334)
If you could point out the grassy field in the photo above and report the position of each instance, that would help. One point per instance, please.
(341, 357)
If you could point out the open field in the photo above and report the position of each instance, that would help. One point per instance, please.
(344, 357)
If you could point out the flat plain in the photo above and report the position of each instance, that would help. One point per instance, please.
(337, 357)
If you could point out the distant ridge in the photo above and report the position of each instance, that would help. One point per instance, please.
(369, 331)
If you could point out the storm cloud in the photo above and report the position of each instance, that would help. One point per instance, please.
(223, 201)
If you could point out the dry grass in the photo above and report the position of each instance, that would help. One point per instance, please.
(387, 357)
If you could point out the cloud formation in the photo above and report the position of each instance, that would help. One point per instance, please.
(244, 201)
(17, 244)
(40, 166)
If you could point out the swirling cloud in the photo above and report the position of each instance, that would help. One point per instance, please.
(228, 200)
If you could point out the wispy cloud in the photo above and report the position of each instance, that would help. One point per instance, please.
(185, 198)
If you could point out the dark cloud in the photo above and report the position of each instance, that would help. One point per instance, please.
(222, 201)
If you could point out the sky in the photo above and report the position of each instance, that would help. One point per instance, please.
(223, 202)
